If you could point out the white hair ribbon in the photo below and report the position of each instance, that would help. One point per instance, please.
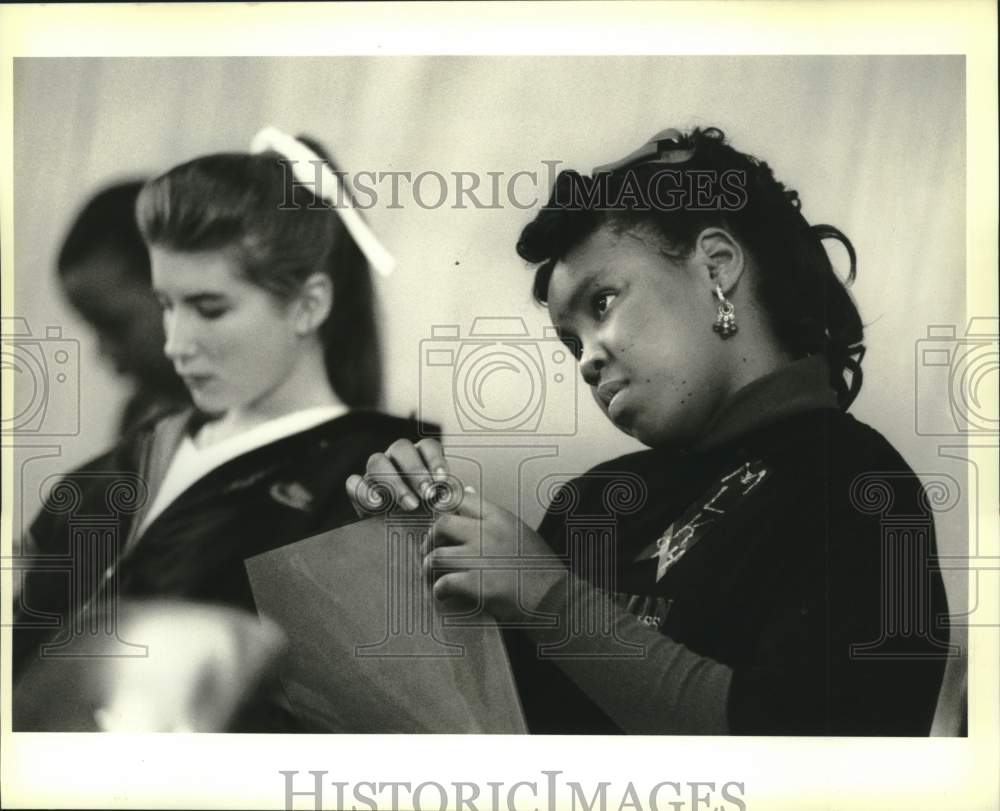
(304, 162)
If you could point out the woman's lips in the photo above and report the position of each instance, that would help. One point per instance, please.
(196, 381)
(609, 391)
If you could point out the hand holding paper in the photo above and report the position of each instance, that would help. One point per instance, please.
(406, 475)
(480, 536)
(469, 534)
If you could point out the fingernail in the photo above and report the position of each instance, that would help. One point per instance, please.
(410, 501)
(440, 474)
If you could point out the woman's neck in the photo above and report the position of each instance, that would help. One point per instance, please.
(800, 385)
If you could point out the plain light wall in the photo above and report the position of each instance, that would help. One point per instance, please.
(874, 145)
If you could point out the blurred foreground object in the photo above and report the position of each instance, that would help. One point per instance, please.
(199, 666)
(370, 650)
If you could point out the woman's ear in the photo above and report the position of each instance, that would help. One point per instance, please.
(722, 257)
(314, 303)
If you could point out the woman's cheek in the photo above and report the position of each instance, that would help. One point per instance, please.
(626, 328)
(613, 335)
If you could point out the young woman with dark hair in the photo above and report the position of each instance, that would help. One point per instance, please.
(268, 310)
(747, 582)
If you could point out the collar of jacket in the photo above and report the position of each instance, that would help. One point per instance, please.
(802, 385)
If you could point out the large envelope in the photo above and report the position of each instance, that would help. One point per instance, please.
(369, 648)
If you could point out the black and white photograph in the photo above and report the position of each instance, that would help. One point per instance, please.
(529, 406)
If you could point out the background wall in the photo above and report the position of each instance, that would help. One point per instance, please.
(875, 145)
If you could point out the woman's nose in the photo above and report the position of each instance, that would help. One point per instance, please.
(592, 360)
(180, 338)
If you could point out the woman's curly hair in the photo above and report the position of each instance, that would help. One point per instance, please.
(809, 306)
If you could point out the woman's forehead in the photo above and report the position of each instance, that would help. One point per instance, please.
(200, 269)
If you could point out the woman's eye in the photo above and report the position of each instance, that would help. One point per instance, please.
(602, 302)
(211, 313)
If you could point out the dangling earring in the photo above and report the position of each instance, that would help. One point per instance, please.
(725, 319)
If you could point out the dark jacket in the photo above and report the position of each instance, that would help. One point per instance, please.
(274, 495)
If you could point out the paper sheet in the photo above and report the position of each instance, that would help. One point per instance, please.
(370, 649)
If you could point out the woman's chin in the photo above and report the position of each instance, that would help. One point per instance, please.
(206, 403)
(618, 411)
(652, 434)
(624, 421)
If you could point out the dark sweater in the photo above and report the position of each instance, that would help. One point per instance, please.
(801, 600)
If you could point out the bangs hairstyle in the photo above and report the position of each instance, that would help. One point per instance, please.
(280, 233)
(809, 307)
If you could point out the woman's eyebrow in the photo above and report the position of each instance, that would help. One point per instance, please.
(198, 298)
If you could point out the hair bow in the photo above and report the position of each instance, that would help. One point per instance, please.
(304, 162)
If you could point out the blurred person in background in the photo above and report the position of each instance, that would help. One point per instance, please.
(104, 271)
